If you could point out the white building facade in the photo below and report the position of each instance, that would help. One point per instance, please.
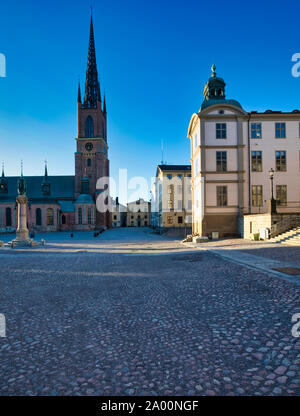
(232, 153)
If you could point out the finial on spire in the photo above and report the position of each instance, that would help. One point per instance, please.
(22, 168)
(213, 69)
(92, 87)
(46, 170)
(3, 175)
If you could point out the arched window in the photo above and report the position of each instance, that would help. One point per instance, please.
(8, 217)
(50, 216)
(79, 216)
(89, 127)
(89, 162)
(38, 216)
(89, 216)
(63, 220)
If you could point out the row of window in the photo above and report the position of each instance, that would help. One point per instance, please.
(256, 131)
(257, 195)
(38, 217)
(180, 176)
(80, 216)
(171, 220)
(49, 217)
(280, 161)
(256, 161)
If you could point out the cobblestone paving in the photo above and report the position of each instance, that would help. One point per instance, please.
(178, 323)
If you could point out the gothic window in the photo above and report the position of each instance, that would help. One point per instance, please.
(79, 216)
(38, 216)
(89, 162)
(8, 217)
(50, 216)
(89, 127)
(63, 220)
(89, 214)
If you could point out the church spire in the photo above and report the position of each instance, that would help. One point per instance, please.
(46, 173)
(45, 183)
(79, 93)
(104, 105)
(3, 181)
(92, 86)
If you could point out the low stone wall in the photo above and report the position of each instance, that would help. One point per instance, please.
(276, 223)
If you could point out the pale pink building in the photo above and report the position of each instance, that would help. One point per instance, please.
(232, 154)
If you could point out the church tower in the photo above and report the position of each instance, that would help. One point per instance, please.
(91, 158)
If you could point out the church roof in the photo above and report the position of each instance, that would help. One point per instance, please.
(84, 199)
(66, 206)
(61, 187)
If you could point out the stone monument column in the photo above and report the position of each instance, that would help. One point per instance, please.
(22, 233)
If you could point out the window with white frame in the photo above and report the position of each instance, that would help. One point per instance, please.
(280, 132)
(281, 194)
(221, 131)
(257, 195)
(280, 160)
(256, 131)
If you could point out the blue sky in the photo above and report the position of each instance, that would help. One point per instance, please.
(153, 59)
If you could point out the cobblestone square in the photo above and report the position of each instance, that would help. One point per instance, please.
(134, 313)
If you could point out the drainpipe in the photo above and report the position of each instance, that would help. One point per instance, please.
(249, 167)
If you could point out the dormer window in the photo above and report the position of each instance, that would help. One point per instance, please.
(3, 187)
(46, 189)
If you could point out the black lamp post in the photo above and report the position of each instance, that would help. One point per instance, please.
(272, 204)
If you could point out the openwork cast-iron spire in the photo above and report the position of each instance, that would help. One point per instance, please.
(92, 86)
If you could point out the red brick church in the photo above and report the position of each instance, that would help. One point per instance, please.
(68, 202)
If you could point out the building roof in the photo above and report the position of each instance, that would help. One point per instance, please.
(61, 187)
(84, 199)
(66, 206)
(210, 102)
(174, 167)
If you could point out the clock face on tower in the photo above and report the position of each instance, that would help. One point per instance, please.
(89, 147)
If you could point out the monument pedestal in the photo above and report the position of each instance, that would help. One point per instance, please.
(22, 234)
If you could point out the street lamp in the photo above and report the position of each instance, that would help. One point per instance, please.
(272, 203)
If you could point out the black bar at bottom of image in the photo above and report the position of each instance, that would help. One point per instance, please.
(130, 405)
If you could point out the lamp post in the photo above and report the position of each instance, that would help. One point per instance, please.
(272, 203)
